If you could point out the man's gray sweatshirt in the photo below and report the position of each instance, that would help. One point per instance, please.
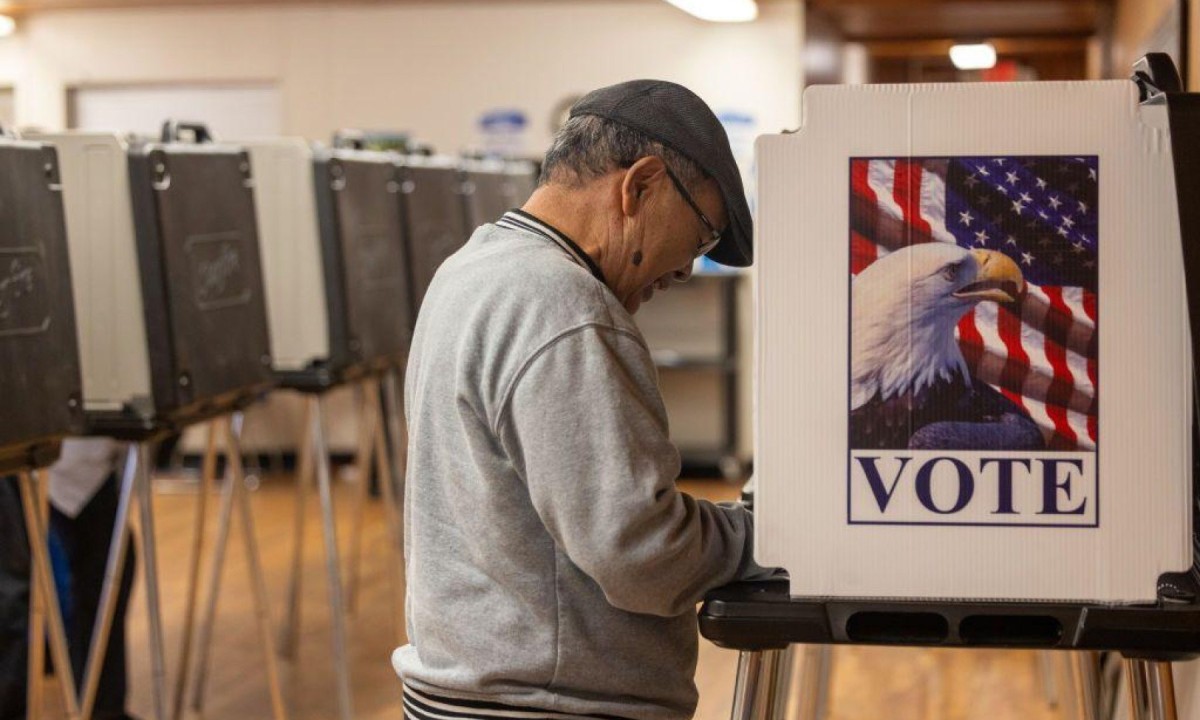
(551, 562)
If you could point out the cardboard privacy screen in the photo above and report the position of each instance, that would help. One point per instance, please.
(934, 265)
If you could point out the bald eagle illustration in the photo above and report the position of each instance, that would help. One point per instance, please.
(910, 386)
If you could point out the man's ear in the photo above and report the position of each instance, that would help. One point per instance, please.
(639, 181)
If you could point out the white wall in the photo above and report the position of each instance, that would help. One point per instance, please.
(429, 68)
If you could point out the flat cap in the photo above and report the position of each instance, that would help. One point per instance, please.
(677, 117)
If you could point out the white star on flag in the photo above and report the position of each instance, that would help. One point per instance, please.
(983, 170)
(1010, 240)
(1025, 198)
(1055, 202)
(1041, 184)
(1027, 258)
(982, 237)
(966, 217)
(1068, 221)
(1011, 177)
(1018, 207)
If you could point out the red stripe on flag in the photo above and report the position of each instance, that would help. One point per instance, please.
(906, 189)
(1064, 436)
(1063, 385)
(1016, 366)
(1089, 307)
(1089, 304)
(863, 252)
(970, 341)
(1014, 397)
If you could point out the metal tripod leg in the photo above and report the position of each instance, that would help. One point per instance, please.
(1151, 690)
(329, 531)
(207, 474)
(216, 565)
(394, 424)
(364, 459)
(150, 572)
(815, 670)
(756, 691)
(1085, 676)
(289, 633)
(262, 610)
(1045, 665)
(41, 574)
(395, 559)
(113, 571)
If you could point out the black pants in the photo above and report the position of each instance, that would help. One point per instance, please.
(86, 540)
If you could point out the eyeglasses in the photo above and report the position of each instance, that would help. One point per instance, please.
(714, 235)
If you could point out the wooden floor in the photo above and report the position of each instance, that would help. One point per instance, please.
(868, 683)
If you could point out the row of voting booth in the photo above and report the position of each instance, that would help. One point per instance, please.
(149, 285)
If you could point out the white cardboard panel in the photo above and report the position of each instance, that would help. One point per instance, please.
(104, 268)
(1139, 524)
(285, 201)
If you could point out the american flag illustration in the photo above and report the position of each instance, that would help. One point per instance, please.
(1041, 352)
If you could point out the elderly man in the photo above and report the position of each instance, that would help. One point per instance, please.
(553, 567)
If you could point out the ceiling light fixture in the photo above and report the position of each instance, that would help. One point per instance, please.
(980, 56)
(7, 25)
(719, 10)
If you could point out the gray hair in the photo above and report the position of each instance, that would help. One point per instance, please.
(587, 147)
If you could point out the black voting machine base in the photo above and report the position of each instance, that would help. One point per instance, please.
(757, 616)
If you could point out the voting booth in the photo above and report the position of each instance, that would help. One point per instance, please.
(434, 212)
(366, 261)
(336, 265)
(492, 187)
(989, 258)
(338, 281)
(40, 383)
(935, 461)
(167, 282)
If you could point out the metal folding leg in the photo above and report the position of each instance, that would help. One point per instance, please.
(395, 560)
(756, 693)
(149, 552)
(1085, 676)
(207, 474)
(43, 578)
(396, 431)
(262, 610)
(365, 458)
(234, 495)
(329, 532)
(113, 571)
(815, 670)
(289, 633)
(1151, 690)
(216, 565)
(1045, 667)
